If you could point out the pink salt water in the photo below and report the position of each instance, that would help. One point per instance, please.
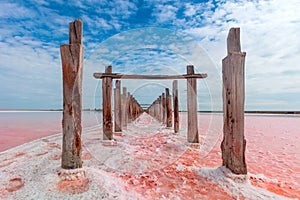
(19, 127)
(272, 153)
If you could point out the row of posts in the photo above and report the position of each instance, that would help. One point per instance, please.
(161, 108)
(126, 107)
(233, 145)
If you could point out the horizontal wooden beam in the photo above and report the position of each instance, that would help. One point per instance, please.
(136, 76)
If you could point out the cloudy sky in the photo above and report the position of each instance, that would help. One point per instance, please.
(150, 37)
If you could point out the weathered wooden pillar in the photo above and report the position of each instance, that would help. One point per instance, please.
(159, 109)
(124, 106)
(134, 109)
(168, 108)
(154, 109)
(117, 107)
(129, 107)
(164, 116)
(72, 66)
(193, 135)
(107, 104)
(234, 144)
(175, 106)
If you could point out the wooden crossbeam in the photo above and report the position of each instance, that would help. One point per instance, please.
(136, 76)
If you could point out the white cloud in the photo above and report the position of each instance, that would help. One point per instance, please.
(165, 13)
(15, 11)
(268, 35)
(152, 51)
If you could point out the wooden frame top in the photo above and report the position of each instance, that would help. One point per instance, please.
(136, 76)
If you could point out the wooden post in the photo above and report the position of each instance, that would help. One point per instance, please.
(154, 109)
(129, 107)
(175, 106)
(115, 109)
(164, 116)
(234, 144)
(72, 66)
(106, 105)
(134, 108)
(159, 109)
(168, 108)
(124, 111)
(193, 136)
(117, 106)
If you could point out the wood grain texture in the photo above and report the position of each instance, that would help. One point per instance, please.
(136, 76)
(128, 107)
(193, 136)
(107, 106)
(160, 108)
(124, 112)
(72, 67)
(233, 41)
(234, 144)
(118, 107)
(164, 113)
(75, 32)
(168, 108)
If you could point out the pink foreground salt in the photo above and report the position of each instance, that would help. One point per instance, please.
(148, 161)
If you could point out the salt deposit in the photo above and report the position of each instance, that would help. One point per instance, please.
(147, 161)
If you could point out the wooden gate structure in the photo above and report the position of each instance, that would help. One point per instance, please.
(233, 144)
(165, 115)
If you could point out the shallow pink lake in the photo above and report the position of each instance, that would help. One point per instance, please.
(19, 127)
(272, 151)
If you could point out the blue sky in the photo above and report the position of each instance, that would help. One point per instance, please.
(154, 37)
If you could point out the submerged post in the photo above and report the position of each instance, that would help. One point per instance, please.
(168, 108)
(175, 106)
(234, 144)
(193, 136)
(106, 105)
(72, 64)
(117, 107)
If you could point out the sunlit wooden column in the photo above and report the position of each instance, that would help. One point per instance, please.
(117, 107)
(72, 66)
(234, 144)
(164, 113)
(168, 108)
(107, 105)
(128, 107)
(124, 111)
(193, 136)
(159, 109)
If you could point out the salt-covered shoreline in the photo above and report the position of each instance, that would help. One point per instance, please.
(145, 162)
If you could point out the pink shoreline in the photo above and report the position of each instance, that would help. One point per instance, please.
(272, 150)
